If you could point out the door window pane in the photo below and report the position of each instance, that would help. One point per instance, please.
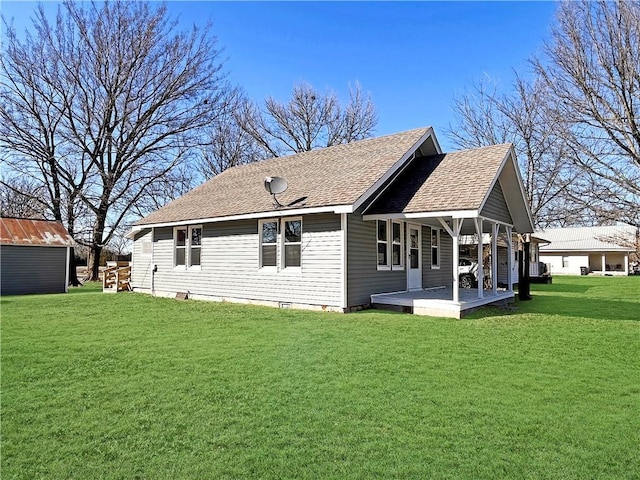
(414, 249)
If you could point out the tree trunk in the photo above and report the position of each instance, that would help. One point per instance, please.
(94, 262)
(73, 272)
(524, 283)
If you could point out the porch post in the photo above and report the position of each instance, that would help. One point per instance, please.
(626, 264)
(478, 222)
(454, 232)
(604, 263)
(495, 228)
(509, 260)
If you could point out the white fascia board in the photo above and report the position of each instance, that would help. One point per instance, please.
(511, 155)
(394, 169)
(337, 209)
(132, 233)
(399, 216)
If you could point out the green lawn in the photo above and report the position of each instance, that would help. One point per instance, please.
(127, 386)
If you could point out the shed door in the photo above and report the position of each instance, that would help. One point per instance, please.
(414, 257)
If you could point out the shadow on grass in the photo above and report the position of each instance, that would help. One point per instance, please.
(563, 288)
(551, 305)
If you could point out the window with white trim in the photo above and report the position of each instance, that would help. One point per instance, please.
(382, 227)
(187, 246)
(390, 245)
(435, 248)
(280, 243)
(268, 243)
(397, 244)
(292, 242)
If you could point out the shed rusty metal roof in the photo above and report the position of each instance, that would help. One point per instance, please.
(29, 231)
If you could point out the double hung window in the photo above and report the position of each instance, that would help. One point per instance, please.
(435, 248)
(390, 245)
(187, 243)
(280, 243)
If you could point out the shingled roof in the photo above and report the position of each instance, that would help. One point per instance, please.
(449, 182)
(335, 176)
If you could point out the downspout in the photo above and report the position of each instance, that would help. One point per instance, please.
(66, 275)
(155, 267)
(524, 292)
(343, 227)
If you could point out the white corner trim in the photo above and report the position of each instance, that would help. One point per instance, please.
(343, 228)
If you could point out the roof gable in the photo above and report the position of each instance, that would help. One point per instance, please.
(28, 231)
(342, 175)
(462, 181)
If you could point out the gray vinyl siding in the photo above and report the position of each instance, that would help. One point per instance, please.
(230, 264)
(496, 207)
(141, 268)
(442, 276)
(31, 269)
(363, 277)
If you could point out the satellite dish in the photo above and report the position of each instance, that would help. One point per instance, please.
(275, 185)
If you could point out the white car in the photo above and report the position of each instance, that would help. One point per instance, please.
(467, 272)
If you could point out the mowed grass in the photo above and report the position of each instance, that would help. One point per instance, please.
(128, 386)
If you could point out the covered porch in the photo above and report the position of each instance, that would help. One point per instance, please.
(426, 263)
(430, 198)
(438, 301)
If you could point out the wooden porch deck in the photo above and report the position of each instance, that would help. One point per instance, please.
(438, 302)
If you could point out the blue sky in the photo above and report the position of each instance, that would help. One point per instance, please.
(413, 57)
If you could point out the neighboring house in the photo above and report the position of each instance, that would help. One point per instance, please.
(582, 250)
(34, 256)
(378, 216)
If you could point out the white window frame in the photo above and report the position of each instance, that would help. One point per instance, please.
(389, 243)
(260, 244)
(191, 247)
(283, 257)
(435, 266)
(187, 247)
(400, 243)
(385, 242)
(281, 243)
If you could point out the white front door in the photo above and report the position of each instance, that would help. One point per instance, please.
(414, 257)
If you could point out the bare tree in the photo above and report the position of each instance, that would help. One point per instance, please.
(592, 71)
(226, 143)
(20, 197)
(522, 118)
(308, 120)
(113, 99)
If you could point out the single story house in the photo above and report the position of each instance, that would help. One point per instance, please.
(582, 250)
(373, 222)
(34, 256)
